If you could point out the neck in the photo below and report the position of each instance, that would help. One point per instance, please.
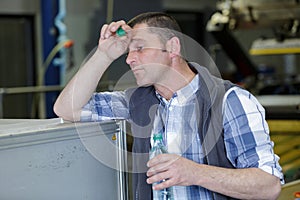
(174, 80)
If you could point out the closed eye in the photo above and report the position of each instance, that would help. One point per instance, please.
(139, 49)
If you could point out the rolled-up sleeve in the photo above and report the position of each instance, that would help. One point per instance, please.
(105, 106)
(246, 133)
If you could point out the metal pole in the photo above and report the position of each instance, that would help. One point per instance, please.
(1, 102)
(110, 11)
(122, 160)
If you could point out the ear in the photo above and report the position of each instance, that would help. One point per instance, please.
(173, 46)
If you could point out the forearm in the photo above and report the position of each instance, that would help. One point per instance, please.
(81, 87)
(251, 183)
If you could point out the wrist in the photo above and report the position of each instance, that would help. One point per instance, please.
(204, 174)
(104, 57)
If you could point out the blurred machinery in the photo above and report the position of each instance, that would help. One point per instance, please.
(259, 13)
(281, 16)
(282, 99)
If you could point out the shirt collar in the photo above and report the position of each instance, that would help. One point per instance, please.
(185, 93)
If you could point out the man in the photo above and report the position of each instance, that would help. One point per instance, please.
(215, 132)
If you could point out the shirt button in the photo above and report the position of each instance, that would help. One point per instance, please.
(170, 108)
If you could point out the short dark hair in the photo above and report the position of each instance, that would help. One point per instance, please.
(156, 19)
(160, 23)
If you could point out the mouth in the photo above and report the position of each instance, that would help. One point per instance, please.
(136, 71)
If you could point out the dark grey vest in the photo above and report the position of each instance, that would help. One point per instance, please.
(143, 104)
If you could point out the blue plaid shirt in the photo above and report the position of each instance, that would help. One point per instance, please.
(246, 133)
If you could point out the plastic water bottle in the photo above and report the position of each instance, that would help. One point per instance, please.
(159, 148)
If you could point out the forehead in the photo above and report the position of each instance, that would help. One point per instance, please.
(140, 26)
(141, 33)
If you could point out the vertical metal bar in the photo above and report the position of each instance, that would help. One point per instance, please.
(122, 160)
(1, 102)
(110, 11)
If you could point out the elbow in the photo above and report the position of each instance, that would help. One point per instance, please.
(63, 112)
(57, 110)
(276, 189)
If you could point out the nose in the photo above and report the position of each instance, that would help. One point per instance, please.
(131, 58)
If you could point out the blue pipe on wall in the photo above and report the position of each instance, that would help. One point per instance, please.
(60, 62)
(51, 77)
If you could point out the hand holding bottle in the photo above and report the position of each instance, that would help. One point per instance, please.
(174, 169)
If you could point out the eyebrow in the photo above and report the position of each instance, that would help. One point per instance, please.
(138, 40)
(135, 41)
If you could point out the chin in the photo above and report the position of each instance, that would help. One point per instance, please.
(143, 84)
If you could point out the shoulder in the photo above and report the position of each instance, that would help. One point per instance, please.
(239, 98)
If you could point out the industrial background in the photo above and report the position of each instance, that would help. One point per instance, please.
(254, 43)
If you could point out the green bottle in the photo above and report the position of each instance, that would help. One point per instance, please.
(159, 148)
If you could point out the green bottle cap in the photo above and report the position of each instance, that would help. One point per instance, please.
(120, 32)
(157, 136)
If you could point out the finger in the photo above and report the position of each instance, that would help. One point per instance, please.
(108, 32)
(160, 168)
(126, 28)
(156, 169)
(118, 24)
(113, 27)
(156, 160)
(103, 30)
(162, 185)
(163, 158)
(158, 177)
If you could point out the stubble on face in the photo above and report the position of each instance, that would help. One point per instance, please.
(149, 61)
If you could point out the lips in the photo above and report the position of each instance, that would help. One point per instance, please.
(136, 70)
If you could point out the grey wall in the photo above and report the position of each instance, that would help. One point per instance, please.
(84, 19)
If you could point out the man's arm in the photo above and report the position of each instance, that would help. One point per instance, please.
(81, 87)
(250, 149)
(250, 183)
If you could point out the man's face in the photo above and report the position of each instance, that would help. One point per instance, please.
(147, 57)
